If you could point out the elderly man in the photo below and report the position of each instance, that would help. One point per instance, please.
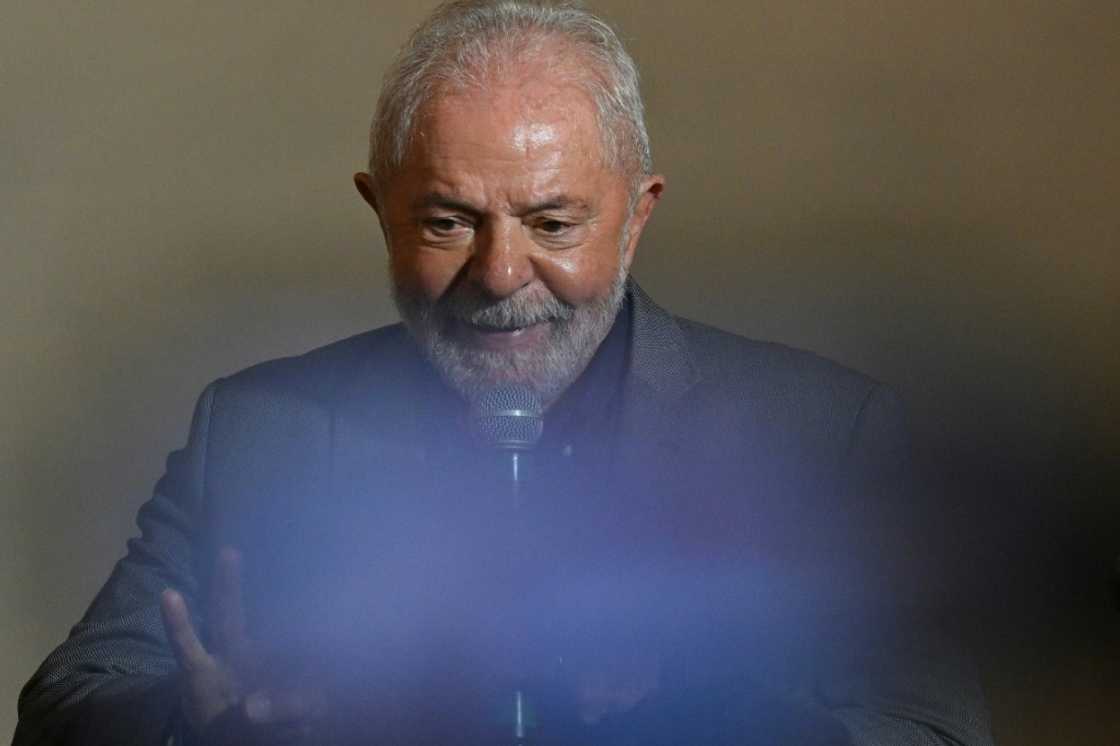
(693, 560)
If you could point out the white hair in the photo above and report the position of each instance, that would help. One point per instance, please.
(466, 43)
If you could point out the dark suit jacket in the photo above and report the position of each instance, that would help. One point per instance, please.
(762, 480)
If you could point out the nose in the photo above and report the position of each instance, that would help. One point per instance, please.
(500, 264)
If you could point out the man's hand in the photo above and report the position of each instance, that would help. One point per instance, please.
(225, 697)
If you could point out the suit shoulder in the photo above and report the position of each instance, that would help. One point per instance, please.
(800, 408)
(320, 372)
(765, 367)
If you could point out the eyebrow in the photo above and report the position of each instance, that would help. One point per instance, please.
(556, 202)
(448, 202)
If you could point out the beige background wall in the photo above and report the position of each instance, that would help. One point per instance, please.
(926, 191)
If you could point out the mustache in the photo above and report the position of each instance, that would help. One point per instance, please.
(522, 309)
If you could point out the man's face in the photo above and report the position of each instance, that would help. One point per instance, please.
(509, 238)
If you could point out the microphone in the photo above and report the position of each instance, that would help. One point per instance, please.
(510, 420)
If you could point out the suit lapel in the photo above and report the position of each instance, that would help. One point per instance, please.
(377, 436)
(660, 373)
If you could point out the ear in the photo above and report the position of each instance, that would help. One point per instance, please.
(649, 193)
(364, 184)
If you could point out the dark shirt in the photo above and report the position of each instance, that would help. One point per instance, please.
(588, 411)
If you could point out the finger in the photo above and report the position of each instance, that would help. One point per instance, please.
(185, 644)
(229, 613)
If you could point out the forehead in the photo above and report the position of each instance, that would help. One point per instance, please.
(518, 134)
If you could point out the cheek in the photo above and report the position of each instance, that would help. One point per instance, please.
(427, 273)
(579, 277)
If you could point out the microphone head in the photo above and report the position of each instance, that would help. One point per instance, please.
(508, 417)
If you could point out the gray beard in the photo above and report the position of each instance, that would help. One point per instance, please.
(576, 333)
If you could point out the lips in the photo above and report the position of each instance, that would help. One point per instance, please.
(493, 329)
(498, 339)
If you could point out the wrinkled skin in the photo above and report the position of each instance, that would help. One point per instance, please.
(509, 237)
